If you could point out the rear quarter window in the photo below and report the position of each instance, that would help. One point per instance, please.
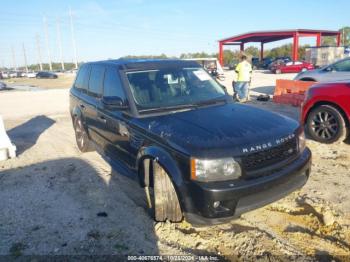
(96, 80)
(82, 78)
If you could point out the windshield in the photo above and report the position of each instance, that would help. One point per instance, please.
(175, 87)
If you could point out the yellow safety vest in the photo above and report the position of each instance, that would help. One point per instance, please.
(243, 70)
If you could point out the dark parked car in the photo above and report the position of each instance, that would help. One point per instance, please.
(326, 111)
(255, 63)
(44, 74)
(266, 62)
(172, 127)
(3, 86)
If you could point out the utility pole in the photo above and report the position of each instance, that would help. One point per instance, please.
(25, 58)
(39, 52)
(73, 38)
(14, 58)
(47, 43)
(60, 42)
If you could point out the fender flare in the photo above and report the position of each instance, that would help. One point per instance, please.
(164, 159)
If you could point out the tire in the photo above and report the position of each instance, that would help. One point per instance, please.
(278, 71)
(164, 200)
(326, 124)
(81, 136)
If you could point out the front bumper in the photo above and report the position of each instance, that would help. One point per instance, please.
(237, 197)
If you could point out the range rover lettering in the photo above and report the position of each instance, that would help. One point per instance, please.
(197, 153)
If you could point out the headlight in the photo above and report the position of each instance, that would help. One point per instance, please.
(207, 170)
(302, 141)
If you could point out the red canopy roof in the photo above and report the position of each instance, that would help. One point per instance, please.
(270, 36)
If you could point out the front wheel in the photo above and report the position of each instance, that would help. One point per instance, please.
(278, 71)
(326, 124)
(162, 200)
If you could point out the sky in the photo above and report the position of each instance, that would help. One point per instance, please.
(111, 29)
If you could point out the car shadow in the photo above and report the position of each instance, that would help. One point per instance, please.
(67, 206)
(25, 135)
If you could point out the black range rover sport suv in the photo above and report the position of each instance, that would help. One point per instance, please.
(197, 154)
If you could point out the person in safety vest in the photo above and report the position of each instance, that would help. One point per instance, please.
(244, 71)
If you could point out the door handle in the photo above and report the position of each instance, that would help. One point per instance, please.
(103, 119)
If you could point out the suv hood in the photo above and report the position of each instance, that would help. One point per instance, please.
(218, 131)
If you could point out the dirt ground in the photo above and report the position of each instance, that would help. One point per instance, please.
(57, 201)
(63, 81)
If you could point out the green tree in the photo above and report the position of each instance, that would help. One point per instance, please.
(196, 55)
(161, 56)
(328, 41)
(345, 36)
(252, 51)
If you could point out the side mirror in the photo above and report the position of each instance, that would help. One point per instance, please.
(114, 102)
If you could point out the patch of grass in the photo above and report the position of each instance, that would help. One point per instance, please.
(94, 234)
(17, 248)
(121, 247)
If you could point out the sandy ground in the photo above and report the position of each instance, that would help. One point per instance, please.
(63, 81)
(57, 201)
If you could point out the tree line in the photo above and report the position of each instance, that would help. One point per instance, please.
(228, 55)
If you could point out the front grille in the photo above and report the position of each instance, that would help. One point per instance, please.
(271, 156)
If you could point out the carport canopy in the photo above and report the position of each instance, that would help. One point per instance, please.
(263, 37)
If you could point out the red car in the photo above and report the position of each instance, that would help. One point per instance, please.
(292, 67)
(326, 111)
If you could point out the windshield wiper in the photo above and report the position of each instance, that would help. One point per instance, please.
(211, 101)
(184, 106)
(167, 108)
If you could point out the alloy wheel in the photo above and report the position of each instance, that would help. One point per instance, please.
(80, 134)
(325, 125)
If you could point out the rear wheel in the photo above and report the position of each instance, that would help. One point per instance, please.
(278, 71)
(161, 196)
(326, 124)
(81, 136)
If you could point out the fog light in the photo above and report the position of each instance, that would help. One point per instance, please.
(216, 204)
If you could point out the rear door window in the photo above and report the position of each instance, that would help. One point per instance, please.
(112, 84)
(96, 80)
